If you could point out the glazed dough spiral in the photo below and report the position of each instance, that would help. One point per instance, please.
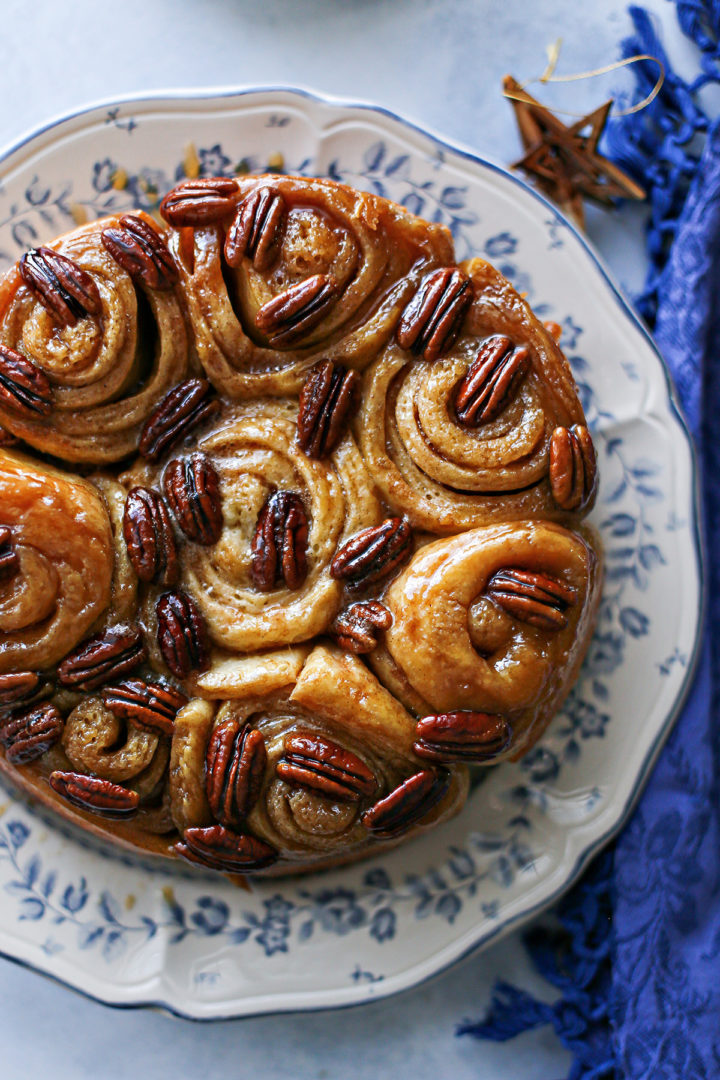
(375, 251)
(63, 537)
(109, 371)
(452, 647)
(446, 476)
(97, 742)
(254, 450)
(323, 692)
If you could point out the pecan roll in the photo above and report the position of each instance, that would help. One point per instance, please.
(489, 629)
(465, 440)
(266, 581)
(96, 741)
(332, 744)
(102, 363)
(302, 270)
(63, 541)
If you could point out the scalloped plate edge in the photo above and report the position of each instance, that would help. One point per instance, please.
(25, 954)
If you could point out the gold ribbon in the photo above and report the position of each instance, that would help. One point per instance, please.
(549, 76)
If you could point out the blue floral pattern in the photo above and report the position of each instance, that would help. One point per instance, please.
(499, 849)
(100, 923)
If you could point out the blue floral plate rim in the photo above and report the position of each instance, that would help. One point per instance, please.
(404, 980)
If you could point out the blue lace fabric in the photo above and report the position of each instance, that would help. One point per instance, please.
(636, 952)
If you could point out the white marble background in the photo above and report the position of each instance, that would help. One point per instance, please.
(440, 63)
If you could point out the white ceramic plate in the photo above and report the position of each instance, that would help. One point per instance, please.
(129, 935)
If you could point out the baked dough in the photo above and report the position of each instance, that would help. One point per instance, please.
(291, 533)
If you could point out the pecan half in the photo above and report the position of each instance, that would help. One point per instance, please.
(94, 794)
(315, 762)
(234, 770)
(407, 804)
(279, 546)
(149, 536)
(199, 202)
(373, 553)
(149, 706)
(141, 251)
(356, 628)
(62, 287)
(461, 736)
(188, 404)
(99, 659)
(491, 381)
(291, 314)
(19, 687)
(192, 487)
(27, 736)
(573, 468)
(328, 396)
(220, 849)
(9, 559)
(432, 320)
(24, 387)
(257, 229)
(182, 634)
(532, 598)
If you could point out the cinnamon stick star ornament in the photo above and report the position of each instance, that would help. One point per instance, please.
(564, 160)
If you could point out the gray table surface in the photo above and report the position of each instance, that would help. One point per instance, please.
(438, 62)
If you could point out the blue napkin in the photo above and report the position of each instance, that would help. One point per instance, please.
(638, 959)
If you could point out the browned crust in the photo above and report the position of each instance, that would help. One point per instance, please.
(125, 835)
